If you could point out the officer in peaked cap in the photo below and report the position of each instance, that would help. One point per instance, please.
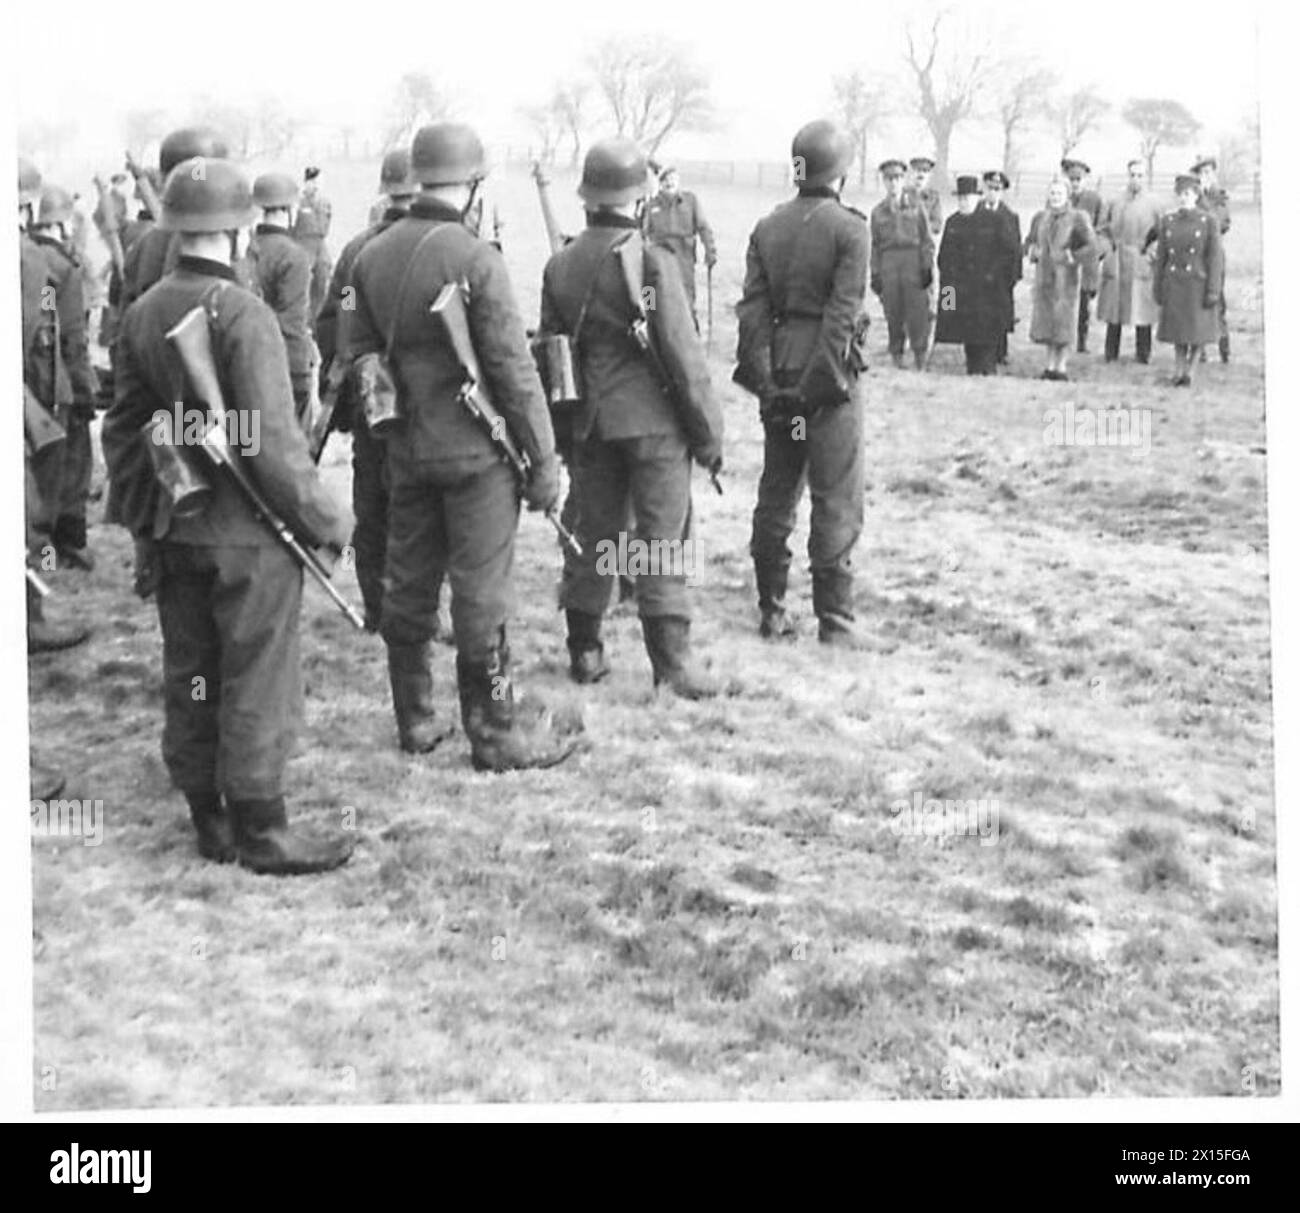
(1088, 201)
(675, 219)
(1188, 277)
(902, 265)
(801, 324)
(1011, 268)
(281, 274)
(1213, 199)
(453, 504)
(229, 593)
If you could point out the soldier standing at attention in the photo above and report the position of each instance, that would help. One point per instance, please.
(996, 185)
(1188, 278)
(799, 326)
(1089, 202)
(453, 504)
(76, 407)
(310, 227)
(902, 266)
(1214, 199)
(281, 276)
(369, 478)
(1125, 296)
(921, 194)
(633, 443)
(229, 595)
(45, 376)
(674, 218)
(155, 251)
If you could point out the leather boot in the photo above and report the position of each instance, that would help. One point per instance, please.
(1112, 342)
(833, 602)
(266, 843)
(587, 662)
(409, 675)
(1143, 339)
(46, 637)
(212, 824)
(1225, 348)
(499, 740)
(668, 641)
(773, 622)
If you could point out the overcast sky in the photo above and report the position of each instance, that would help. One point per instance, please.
(770, 65)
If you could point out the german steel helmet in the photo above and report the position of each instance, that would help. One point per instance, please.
(395, 174)
(188, 142)
(272, 190)
(447, 153)
(821, 153)
(55, 205)
(614, 172)
(204, 195)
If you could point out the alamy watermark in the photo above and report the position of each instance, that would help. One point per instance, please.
(934, 820)
(82, 819)
(630, 556)
(240, 428)
(1074, 426)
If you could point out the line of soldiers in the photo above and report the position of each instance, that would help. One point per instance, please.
(1120, 254)
(435, 502)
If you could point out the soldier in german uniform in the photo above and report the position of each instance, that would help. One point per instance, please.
(675, 219)
(996, 185)
(633, 444)
(281, 276)
(1214, 200)
(1188, 279)
(800, 324)
(154, 253)
(902, 265)
(229, 594)
(76, 398)
(311, 226)
(46, 377)
(369, 477)
(1089, 202)
(453, 504)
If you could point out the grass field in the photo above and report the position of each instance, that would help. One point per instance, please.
(716, 901)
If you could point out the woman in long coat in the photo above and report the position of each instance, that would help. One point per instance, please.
(1188, 279)
(1060, 240)
(974, 302)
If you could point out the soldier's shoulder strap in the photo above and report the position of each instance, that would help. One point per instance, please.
(853, 210)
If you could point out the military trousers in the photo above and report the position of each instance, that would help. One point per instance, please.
(651, 476)
(232, 673)
(455, 520)
(78, 463)
(825, 452)
(905, 301)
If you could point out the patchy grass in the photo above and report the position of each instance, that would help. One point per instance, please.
(716, 900)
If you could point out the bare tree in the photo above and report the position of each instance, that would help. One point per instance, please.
(44, 139)
(1076, 114)
(862, 108)
(569, 103)
(416, 102)
(1239, 153)
(950, 70)
(1021, 101)
(652, 88)
(276, 127)
(236, 122)
(1160, 122)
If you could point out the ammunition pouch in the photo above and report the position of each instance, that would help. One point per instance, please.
(185, 486)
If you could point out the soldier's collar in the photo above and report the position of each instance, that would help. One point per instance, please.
(434, 208)
(610, 219)
(204, 265)
(270, 229)
(393, 213)
(817, 191)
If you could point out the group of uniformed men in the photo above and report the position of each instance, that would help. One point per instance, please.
(433, 500)
(1141, 265)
